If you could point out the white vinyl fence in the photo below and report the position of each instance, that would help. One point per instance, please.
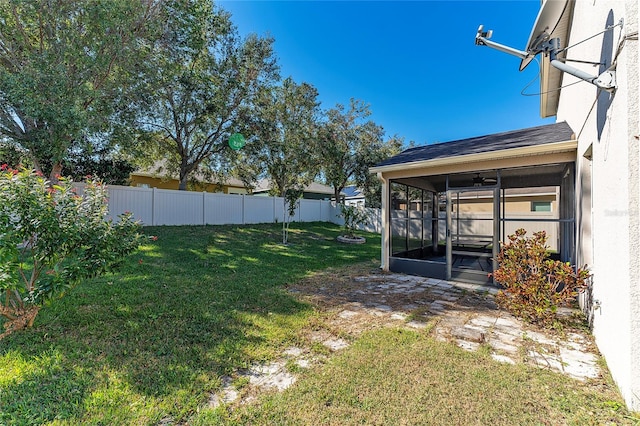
(373, 222)
(154, 207)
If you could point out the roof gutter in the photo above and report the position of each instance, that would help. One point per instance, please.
(549, 148)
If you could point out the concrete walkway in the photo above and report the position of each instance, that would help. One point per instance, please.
(467, 315)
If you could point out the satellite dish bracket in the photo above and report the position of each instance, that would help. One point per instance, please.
(482, 39)
(550, 47)
(605, 80)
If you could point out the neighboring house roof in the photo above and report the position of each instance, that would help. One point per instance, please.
(263, 185)
(519, 142)
(352, 192)
(160, 172)
(319, 188)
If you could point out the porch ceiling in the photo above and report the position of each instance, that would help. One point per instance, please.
(549, 175)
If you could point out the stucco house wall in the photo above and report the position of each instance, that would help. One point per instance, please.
(608, 182)
(149, 181)
(513, 205)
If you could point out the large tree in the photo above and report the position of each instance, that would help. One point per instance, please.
(369, 184)
(62, 64)
(198, 86)
(284, 143)
(350, 144)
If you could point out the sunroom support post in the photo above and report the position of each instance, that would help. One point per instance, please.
(496, 228)
(567, 214)
(385, 220)
(449, 253)
(435, 230)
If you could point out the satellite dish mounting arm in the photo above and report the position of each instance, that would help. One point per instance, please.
(550, 47)
(605, 81)
(482, 39)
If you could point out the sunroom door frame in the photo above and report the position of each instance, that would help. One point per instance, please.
(470, 275)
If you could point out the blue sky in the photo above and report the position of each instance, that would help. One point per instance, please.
(414, 62)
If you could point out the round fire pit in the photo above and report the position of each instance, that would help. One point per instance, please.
(351, 239)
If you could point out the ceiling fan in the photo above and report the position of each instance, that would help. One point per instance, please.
(481, 181)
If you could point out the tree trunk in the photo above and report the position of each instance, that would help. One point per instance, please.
(36, 164)
(184, 175)
(182, 186)
(56, 172)
(336, 193)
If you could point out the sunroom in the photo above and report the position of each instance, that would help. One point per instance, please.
(447, 207)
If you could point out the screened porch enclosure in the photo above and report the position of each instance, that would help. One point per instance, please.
(450, 226)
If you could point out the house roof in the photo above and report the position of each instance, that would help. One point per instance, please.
(263, 185)
(319, 188)
(352, 191)
(467, 149)
(158, 170)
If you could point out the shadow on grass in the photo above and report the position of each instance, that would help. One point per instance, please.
(154, 339)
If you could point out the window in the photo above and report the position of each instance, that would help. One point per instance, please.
(541, 206)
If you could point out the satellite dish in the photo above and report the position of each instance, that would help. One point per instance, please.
(543, 40)
(548, 18)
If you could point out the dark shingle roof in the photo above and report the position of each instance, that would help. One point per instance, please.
(557, 132)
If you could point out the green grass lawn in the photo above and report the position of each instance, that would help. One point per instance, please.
(402, 377)
(152, 341)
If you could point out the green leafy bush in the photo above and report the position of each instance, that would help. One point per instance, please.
(353, 217)
(534, 285)
(51, 239)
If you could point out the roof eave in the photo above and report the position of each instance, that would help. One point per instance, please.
(549, 148)
(550, 77)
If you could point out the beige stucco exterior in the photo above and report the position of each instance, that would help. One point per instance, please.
(608, 182)
(147, 180)
(513, 204)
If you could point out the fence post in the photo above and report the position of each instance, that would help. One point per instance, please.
(153, 206)
(204, 203)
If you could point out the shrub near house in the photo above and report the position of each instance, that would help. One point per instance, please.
(535, 286)
(52, 239)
